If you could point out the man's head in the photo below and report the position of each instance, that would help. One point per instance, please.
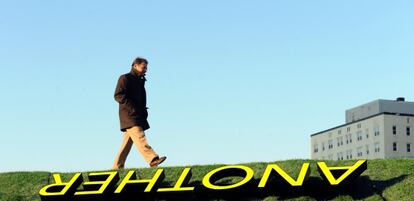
(140, 65)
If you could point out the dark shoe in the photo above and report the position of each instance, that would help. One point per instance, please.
(157, 160)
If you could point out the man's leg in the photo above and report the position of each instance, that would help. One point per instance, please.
(138, 137)
(123, 152)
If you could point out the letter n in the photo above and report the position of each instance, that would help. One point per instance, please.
(303, 175)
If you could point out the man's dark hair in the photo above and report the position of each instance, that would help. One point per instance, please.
(139, 60)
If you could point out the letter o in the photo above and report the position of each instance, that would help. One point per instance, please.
(231, 170)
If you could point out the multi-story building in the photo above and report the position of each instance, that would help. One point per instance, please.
(378, 129)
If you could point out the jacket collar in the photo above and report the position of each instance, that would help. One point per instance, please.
(134, 72)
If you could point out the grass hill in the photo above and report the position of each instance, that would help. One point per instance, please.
(388, 179)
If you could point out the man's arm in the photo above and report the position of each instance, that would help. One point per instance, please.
(121, 93)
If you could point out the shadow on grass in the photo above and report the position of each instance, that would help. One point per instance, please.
(364, 187)
(314, 188)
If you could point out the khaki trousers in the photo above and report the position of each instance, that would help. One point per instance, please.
(134, 135)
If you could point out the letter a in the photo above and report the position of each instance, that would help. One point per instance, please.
(347, 173)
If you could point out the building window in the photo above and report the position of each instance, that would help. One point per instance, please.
(359, 151)
(323, 146)
(348, 138)
(408, 120)
(330, 144)
(339, 132)
(377, 148)
(348, 129)
(367, 149)
(394, 130)
(359, 135)
(349, 154)
(376, 131)
(359, 126)
(408, 147)
(339, 141)
(367, 133)
(315, 148)
(408, 131)
(340, 156)
(394, 146)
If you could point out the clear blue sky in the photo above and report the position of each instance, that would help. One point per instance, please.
(228, 81)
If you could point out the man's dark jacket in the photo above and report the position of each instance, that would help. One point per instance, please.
(131, 96)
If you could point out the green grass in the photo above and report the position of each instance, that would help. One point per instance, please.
(390, 179)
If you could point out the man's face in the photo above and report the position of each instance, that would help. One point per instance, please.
(141, 68)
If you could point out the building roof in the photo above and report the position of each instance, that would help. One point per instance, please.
(359, 120)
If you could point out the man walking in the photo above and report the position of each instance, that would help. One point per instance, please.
(131, 96)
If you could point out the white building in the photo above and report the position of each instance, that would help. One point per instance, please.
(378, 129)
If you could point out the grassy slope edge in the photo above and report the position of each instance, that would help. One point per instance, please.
(389, 179)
